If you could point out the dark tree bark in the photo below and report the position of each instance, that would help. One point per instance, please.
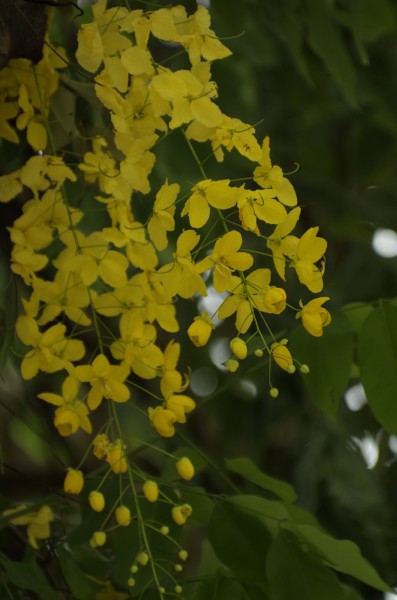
(22, 29)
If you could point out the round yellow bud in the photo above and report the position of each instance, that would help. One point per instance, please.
(183, 554)
(200, 330)
(131, 582)
(134, 569)
(282, 356)
(239, 348)
(181, 513)
(232, 365)
(273, 392)
(151, 491)
(100, 445)
(98, 539)
(305, 369)
(178, 589)
(178, 568)
(164, 530)
(74, 482)
(185, 468)
(143, 559)
(258, 353)
(96, 501)
(123, 516)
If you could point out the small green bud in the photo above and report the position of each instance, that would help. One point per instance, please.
(273, 392)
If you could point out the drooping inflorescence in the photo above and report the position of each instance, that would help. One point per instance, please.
(104, 295)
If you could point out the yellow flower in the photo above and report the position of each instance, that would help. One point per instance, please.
(72, 413)
(96, 501)
(106, 381)
(208, 193)
(309, 250)
(100, 444)
(181, 276)
(268, 176)
(314, 316)
(162, 219)
(163, 420)
(181, 513)
(225, 259)
(185, 468)
(274, 300)
(98, 539)
(51, 350)
(180, 405)
(239, 348)
(171, 380)
(151, 491)
(74, 482)
(282, 356)
(38, 522)
(116, 457)
(200, 330)
(123, 516)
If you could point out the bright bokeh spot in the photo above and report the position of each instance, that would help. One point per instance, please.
(384, 242)
(204, 381)
(219, 352)
(355, 397)
(369, 449)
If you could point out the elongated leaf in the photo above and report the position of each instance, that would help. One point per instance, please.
(342, 555)
(28, 577)
(326, 40)
(378, 364)
(240, 541)
(246, 468)
(307, 578)
(329, 358)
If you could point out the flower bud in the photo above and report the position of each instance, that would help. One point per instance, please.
(116, 458)
(183, 554)
(143, 559)
(151, 491)
(96, 501)
(164, 530)
(178, 568)
(273, 392)
(282, 356)
(100, 445)
(258, 353)
(134, 569)
(181, 513)
(98, 539)
(74, 482)
(123, 516)
(185, 468)
(178, 589)
(131, 582)
(239, 348)
(304, 369)
(200, 330)
(232, 365)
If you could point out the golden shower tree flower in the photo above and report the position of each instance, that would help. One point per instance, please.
(71, 413)
(106, 380)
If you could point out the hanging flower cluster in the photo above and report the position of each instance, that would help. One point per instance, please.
(150, 249)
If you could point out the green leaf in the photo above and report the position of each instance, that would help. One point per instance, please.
(295, 571)
(269, 512)
(246, 468)
(200, 502)
(28, 577)
(80, 587)
(220, 588)
(326, 40)
(342, 555)
(378, 364)
(357, 313)
(329, 358)
(240, 541)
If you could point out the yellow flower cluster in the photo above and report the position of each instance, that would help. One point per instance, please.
(120, 281)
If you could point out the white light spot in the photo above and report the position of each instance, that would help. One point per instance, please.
(369, 449)
(392, 443)
(211, 303)
(204, 381)
(384, 243)
(219, 352)
(206, 3)
(355, 397)
(390, 596)
(248, 389)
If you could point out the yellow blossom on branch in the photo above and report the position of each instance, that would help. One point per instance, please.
(106, 380)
